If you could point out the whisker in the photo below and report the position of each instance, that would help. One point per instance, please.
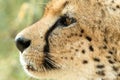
(57, 65)
(48, 66)
(50, 61)
(53, 63)
(44, 70)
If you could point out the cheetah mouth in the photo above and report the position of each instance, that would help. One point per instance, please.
(47, 65)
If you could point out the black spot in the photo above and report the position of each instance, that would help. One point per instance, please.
(82, 31)
(110, 52)
(117, 6)
(91, 48)
(88, 38)
(82, 43)
(108, 57)
(104, 47)
(64, 58)
(68, 36)
(96, 59)
(101, 73)
(41, 37)
(111, 62)
(99, 4)
(76, 50)
(115, 68)
(80, 35)
(83, 51)
(105, 41)
(72, 58)
(100, 66)
(76, 34)
(115, 59)
(99, 21)
(61, 57)
(85, 61)
(72, 34)
(113, 9)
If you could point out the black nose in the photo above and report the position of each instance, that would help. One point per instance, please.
(22, 43)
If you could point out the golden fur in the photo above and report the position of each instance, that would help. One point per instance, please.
(88, 49)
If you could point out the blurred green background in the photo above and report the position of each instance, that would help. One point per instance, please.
(14, 16)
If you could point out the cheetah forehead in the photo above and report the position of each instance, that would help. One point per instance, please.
(57, 6)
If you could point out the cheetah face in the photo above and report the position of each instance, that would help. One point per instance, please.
(44, 46)
(73, 41)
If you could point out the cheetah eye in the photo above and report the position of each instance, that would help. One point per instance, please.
(66, 21)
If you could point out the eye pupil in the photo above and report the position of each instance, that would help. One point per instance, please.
(66, 21)
(63, 21)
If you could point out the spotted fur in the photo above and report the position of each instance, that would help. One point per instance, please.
(74, 40)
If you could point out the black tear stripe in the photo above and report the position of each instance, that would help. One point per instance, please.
(46, 47)
(48, 63)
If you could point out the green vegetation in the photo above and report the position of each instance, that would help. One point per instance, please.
(14, 16)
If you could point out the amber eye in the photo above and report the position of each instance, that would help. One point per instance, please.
(66, 21)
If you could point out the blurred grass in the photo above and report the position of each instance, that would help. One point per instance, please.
(14, 16)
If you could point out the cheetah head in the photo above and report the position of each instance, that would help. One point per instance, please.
(53, 46)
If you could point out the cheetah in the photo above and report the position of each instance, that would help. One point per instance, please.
(74, 40)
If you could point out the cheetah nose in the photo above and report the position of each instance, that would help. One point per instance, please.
(22, 43)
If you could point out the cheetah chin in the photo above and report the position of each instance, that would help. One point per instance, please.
(74, 40)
